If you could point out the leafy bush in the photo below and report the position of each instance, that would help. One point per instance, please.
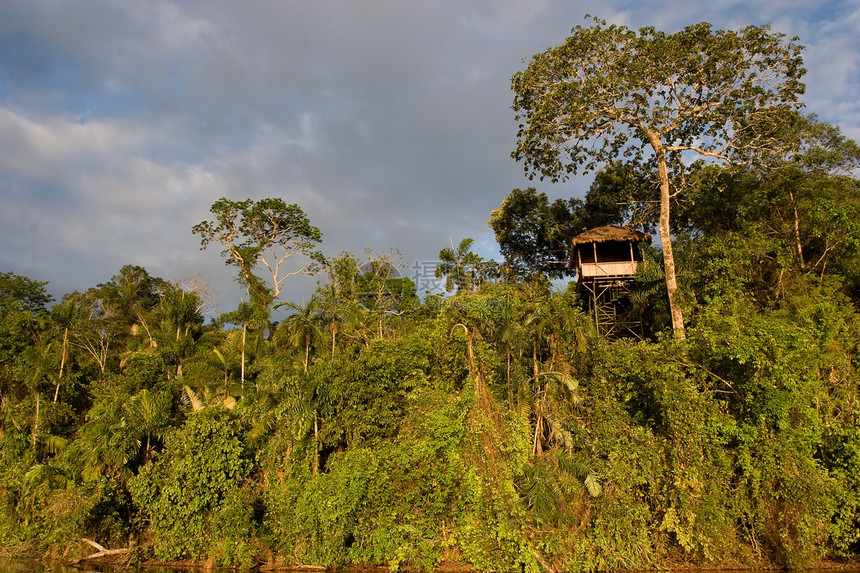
(193, 494)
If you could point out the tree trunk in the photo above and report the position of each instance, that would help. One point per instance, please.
(508, 374)
(798, 244)
(62, 363)
(537, 447)
(244, 328)
(666, 242)
(36, 423)
(316, 460)
(102, 551)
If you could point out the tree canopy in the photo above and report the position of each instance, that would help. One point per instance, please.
(267, 232)
(533, 234)
(462, 269)
(609, 92)
(28, 294)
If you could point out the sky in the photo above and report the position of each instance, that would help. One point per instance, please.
(388, 122)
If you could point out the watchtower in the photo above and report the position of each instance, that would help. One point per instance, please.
(605, 260)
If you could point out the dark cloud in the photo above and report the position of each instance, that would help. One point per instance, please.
(389, 122)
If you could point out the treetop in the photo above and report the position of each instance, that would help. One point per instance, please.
(609, 92)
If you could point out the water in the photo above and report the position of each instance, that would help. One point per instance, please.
(32, 566)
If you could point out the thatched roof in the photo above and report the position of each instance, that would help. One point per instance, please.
(610, 233)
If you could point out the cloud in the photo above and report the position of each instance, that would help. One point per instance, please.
(87, 194)
(832, 58)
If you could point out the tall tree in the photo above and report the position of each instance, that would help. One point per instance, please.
(30, 295)
(818, 164)
(339, 297)
(106, 318)
(461, 268)
(267, 232)
(805, 201)
(64, 316)
(610, 92)
(251, 316)
(130, 296)
(302, 327)
(533, 234)
(384, 294)
(22, 325)
(179, 325)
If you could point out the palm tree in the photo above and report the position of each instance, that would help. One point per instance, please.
(331, 311)
(343, 301)
(64, 316)
(303, 327)
(538, 322)
(459, 266)
(306, 397)
(179, 325)
(147, 413)
(550, 400)
(567, 338)
(38, 364)
(119, 431)
(248, 315)
(552, 317)
(512, 336)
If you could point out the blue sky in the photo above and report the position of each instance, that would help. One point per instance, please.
(388, 122)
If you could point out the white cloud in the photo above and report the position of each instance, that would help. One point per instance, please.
(46, 146)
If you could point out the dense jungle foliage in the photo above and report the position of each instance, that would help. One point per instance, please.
(491, 427)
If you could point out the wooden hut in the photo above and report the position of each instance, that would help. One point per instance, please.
(607, 251)
(605, 260)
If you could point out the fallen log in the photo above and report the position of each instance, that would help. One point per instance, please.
(101, 551)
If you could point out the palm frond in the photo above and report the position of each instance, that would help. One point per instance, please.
(54, 444)
(592, 485)
(567, 381)
(196, 402)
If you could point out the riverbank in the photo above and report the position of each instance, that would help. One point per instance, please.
(106, 561)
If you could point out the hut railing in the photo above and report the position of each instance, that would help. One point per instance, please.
(625, 268)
